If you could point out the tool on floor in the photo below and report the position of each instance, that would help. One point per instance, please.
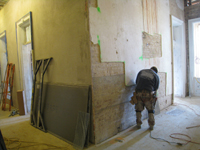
(37, 120)
(14, 112)
(8, 85)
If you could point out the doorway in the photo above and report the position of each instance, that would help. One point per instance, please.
(3, 60)
(194, 53)
(179, 57)
(25, 58)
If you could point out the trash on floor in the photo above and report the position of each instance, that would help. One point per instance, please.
(14, 112)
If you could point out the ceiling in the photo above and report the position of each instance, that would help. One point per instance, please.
(2, 3)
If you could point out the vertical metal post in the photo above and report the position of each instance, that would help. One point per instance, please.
(40, 122)
(33, 119)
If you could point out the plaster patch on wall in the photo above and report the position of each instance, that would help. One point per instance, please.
(180, 4)
(152, 46)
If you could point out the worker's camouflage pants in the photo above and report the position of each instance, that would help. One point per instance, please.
(145, 98)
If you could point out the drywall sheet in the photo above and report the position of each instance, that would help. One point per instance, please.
(117, 26)
(162, 86)
(61, 106)
(152, 45)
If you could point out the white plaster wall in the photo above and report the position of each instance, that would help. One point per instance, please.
(119, 26)
(180, 4)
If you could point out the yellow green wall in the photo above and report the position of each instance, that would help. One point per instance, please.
(60, 30)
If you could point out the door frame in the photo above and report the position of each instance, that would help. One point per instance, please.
(20, 39)
(191, 54)
(3, 35)
(177, 22)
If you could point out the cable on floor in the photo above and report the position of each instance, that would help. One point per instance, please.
(190, 109)
(16, 144)
(163, 140)
(173, 134)
(189, 140)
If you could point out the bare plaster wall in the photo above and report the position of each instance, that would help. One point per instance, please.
(60, 30)
(112, 111)
(117, 26)
(177, 8)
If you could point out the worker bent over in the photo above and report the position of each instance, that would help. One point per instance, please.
(147, 83)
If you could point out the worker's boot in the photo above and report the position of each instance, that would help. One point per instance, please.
(150, 127)
(151, 121)
(138, 120)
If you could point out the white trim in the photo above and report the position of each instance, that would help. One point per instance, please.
(21, 24)
(2, 34)
(191, 53)
(176, 21)
(21, 38)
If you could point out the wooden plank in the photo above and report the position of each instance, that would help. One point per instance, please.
(21, 105)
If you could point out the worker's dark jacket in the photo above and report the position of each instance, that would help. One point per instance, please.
(147, 79)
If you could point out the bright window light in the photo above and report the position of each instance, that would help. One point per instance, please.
(197, 50)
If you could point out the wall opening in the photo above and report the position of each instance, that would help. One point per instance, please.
(25, 58)
(194, 56)
(179, 57)
(3, 59)
(197, 50)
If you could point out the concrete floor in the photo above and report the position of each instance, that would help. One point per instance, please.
(19, 128)
(173, 119)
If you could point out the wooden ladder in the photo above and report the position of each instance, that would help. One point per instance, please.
(8, 83)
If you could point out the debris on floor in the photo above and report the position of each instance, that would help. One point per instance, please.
(14, 112)
(119, 140)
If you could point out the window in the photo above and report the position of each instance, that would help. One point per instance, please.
(197, 50)
(28, 34)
